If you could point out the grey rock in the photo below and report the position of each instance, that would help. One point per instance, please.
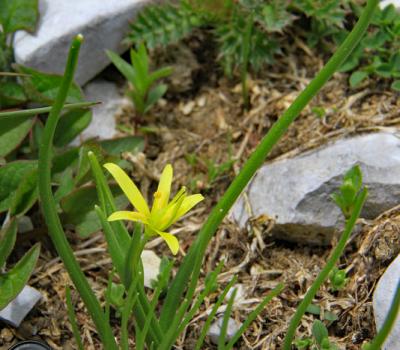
(151, 267)
(215, 329)
(385, 3)
(296, 192)
(15, 312)
(382, 299)
(104, 25)
(103, 125)
(24, 224)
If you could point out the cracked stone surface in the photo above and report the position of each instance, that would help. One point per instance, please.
(382, 299)
(104, 25)
(296, 192)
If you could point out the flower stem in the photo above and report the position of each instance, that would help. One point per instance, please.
(49, 207)
(191, 265)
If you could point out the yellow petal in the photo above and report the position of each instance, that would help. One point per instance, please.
(161, 197)
(188, 203)
(171, 241)
(129, 188)
(127, 215)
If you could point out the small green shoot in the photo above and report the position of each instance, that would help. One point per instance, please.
(348, 191)
(142, 92)
(338, 279)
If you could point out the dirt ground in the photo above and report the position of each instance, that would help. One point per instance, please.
(202, 129)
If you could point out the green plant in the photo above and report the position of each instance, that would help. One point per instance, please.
(13, 281)
(138, 74)
(14, 15)
(160, 330)
(378, 53)
(350, 200)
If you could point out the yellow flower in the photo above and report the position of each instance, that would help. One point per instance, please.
(163, 212)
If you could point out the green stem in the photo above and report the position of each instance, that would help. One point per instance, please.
(383, 333)
(323, 275)
(35, 111)
(190, 270)
(49, 207)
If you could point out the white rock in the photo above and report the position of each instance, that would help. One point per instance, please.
(382, 299)
(215, 329)
(104, 25)
(296, 192)
(103, 125)
(151, 267)
(15, 312)
(385, 3)
(24, 224)
(240, 294)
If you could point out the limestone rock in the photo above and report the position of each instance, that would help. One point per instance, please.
(215, 329)
(15, 312)
(296, 192)
(382, 299)
(104, 25)
(103, 125)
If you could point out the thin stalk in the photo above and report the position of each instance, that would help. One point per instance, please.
(391, 317)
(35, 111)
(252, 316)
(324, 274)
(225, 321)
(189, 270)
(49, 206)
(72, 319)
(212, 314)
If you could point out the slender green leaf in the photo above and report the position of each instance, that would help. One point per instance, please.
(8, 235)
(124, 67)
(72, 319)
(154, 95)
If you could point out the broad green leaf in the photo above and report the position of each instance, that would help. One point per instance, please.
(8, 235)
(79, 210)
(11, 176)
(71, 124)
(64, 160)
(11, 94)
(12, 133)
(26, 194)
(18, 14)
(319, 331)
(357, 77)
(43, 87)
(117, 146)
(12, 282)
(396, 85)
